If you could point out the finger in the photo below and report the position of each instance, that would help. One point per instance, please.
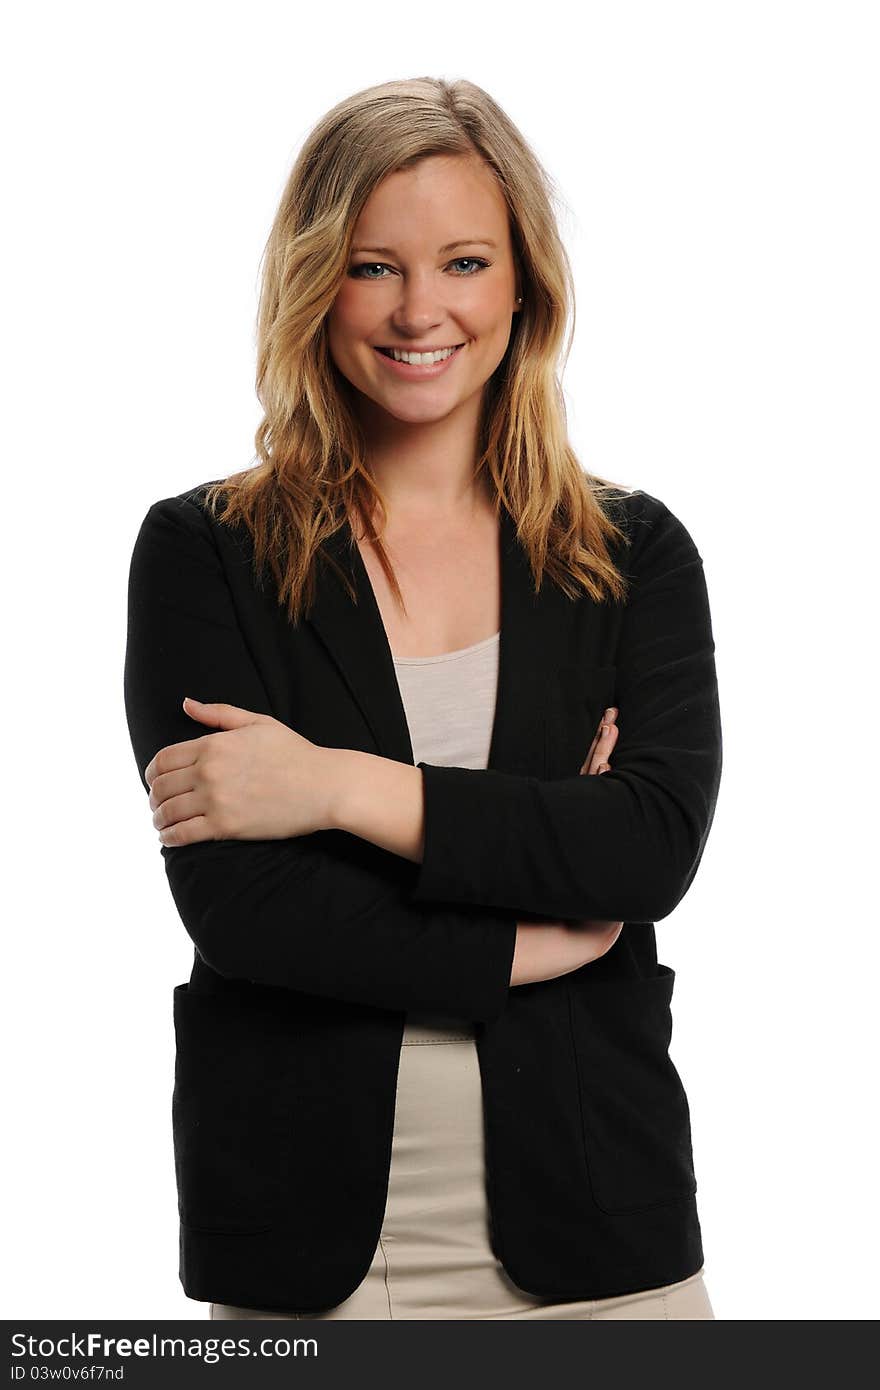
(218, 716)
(608, 718)
(168, 784)
(178, 808)
(603, 748)
(175, 755)
(588, 759)
(187, 832)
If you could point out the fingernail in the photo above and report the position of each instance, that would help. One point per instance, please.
(609, 713)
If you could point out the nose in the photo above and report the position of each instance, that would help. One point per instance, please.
(419, 308)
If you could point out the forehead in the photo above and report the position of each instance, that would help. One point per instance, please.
(443, 198)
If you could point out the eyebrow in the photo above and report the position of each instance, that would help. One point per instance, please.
(450, 246)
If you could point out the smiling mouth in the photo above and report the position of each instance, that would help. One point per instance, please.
(420, 358)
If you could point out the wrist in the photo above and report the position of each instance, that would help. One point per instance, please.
(343, 774)
(377, 799)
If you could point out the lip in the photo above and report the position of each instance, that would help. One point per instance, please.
(423, 371)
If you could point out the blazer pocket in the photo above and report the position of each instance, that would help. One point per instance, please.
(231, 1110)
(634, 1110)
(575, 700)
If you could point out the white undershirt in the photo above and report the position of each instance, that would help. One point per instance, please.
(449, 701)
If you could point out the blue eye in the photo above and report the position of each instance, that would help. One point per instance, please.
(475, 261)
(472, 260)
(367, 265)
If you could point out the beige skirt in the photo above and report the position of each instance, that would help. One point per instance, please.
(433, 1259)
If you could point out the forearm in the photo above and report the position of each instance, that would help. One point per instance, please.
(321, 914)
(622, 846)
(379, 800)
(384, 802)
(337, 924)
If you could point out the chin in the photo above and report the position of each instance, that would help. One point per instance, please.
(428, 415)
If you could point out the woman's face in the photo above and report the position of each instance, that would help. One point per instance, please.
(431, 267)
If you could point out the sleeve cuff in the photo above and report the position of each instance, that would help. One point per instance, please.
(465, 814)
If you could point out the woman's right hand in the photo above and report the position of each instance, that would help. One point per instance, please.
(545, 950)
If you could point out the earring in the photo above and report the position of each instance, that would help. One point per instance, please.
(519, 299)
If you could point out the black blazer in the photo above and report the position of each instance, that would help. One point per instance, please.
(309, 950)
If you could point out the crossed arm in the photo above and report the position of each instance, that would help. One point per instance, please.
(383, 801)
(268, 781)
(246, 786)
(325, 912)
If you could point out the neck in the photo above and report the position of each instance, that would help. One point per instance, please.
(426, 471)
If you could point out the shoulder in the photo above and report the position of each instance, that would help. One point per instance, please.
(657, 538)
(181, 531)
(185, 516)
(187, 507)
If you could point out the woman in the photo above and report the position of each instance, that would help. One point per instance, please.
(422, 1065)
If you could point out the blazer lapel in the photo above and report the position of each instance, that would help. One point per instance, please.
(356, 639)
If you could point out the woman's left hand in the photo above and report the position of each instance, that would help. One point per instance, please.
(256, 780)
(596, 761)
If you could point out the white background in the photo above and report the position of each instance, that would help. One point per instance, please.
(717, 164)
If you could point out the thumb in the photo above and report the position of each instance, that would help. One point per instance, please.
(219, 716)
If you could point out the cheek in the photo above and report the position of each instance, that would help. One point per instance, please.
(348, 319)
(493, 316)
(492, 327)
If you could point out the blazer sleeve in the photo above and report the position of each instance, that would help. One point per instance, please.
(327, 913)
(623, 846)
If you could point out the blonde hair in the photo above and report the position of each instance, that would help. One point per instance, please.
(312, 471)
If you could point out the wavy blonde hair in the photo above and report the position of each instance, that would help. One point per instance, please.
(312, 471)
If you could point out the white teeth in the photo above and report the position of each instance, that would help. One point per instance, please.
(420, 359)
